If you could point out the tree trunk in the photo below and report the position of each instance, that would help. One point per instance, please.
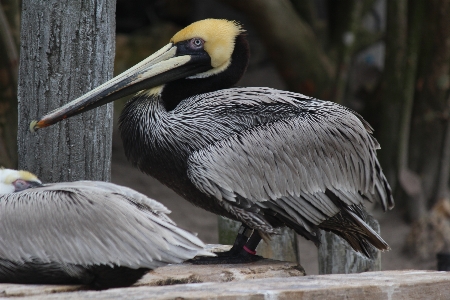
(9, 65)
(67, 49)
(415, 203)
(431, 109)
(444, 169)
(396, 39)
(344, 41)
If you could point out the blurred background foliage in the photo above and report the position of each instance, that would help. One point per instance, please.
(378, 57)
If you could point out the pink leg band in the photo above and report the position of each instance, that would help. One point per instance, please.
(249, 251)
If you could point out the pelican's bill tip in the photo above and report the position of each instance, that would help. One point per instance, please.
(34, 126)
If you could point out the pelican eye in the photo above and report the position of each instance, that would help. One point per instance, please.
(196, 43)
(20, 185)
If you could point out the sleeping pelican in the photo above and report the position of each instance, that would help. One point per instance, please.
(85, 232)
(267, 158)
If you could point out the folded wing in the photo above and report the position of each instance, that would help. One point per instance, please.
(86, 223)
(307, 168)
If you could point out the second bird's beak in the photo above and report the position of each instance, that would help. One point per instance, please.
(159, 68)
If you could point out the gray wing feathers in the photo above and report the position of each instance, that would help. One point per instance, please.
(266, 163)
(107, 187)
(79, 224)
(292, 162)
(126, 193)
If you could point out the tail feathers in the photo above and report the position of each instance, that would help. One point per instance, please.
(352, 228)
(370, 234)
(359, 245)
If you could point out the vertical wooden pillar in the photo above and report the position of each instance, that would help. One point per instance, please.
(67, 48)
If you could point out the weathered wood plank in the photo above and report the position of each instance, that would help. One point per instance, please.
(187, 273)
(393, 285)
(179, 274)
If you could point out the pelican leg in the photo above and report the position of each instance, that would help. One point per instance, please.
(252, 243)
(241, 239)
(243, 250)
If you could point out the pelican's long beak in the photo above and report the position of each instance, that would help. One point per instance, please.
(159, 68)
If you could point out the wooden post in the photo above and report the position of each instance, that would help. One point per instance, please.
(67, 48)
(337, 257)
(281, 247)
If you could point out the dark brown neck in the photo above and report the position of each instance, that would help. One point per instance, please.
(178, 90)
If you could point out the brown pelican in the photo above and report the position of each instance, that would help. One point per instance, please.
(264, 157)
(85, 232)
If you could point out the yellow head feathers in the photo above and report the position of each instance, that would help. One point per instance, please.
(8, 176)
(219, 37)
(28, 176)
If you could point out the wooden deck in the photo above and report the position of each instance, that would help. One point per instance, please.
(265, 279)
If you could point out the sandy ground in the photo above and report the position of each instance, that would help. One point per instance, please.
(195, 219)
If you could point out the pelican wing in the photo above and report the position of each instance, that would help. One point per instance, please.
(89, 223)
(293, 165)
